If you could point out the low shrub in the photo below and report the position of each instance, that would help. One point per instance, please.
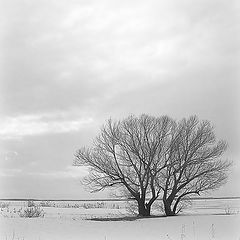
(93, 205)
(4, 204)
(32, 212)
(230, 211)
(45, 204)
(30, 203)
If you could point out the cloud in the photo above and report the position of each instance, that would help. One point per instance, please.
(10, 172)
(29, 125)
(8, 156)
(68, 172)
(77, 54)
(69, 65)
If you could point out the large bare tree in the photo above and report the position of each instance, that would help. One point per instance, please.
(130, 153)
(146, 155)
(194, 163)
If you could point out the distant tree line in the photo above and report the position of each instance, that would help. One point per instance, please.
(152, 157)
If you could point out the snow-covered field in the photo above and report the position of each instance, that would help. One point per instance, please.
(204, 219)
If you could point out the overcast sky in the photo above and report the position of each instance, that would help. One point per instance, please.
(68, 65)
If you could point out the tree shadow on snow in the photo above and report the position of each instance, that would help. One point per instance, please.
(124, 218)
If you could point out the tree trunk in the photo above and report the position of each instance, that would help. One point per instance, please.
(143, 210)
(168, 208)
(176, 204)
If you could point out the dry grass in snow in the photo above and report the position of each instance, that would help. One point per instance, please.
(208, 220)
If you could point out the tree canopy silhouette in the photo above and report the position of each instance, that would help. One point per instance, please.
(195, 163)
(129, 153)
(149, 156)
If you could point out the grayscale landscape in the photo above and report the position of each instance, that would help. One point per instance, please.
(119, 120)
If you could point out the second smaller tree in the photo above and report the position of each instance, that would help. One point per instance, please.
(194, 163)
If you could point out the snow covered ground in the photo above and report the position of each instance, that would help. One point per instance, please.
(205, 219)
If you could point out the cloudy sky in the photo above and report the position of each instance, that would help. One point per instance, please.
(68, 65)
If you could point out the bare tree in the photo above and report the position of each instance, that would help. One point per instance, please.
(194, 163)
(130, 153)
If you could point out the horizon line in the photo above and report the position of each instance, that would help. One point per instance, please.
(106, 199)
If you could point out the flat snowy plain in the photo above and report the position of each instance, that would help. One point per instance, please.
(216, 219)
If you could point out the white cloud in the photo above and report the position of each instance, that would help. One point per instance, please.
(8, 155)
(69, 172)
(9, 172)
(28, 125)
